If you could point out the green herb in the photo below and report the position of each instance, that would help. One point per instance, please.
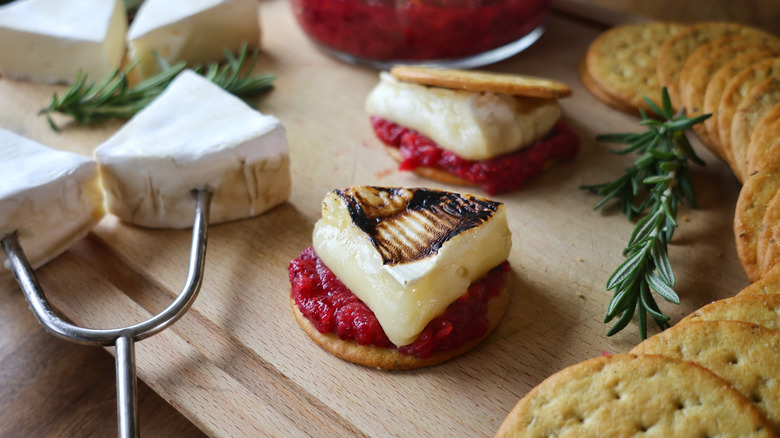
(112, 97)
(656, 184)
(131, 6)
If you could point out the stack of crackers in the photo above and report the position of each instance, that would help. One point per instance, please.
(729, 70)
(717, 372)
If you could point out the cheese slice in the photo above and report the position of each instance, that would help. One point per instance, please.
(475, 126)
(194, 135)
(51, 40)
(50, 198)
(409, 253)
(196, 31)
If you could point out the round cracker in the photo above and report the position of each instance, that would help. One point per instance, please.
(757, 103)
(433, 173)
(389, 358)
(622, 61)
(745, 355)
(628, 395)
(768, 246)
(599, 93)
(752, 202)
(764, 140)
(677, 48)
(717, 85)
(696, 77)
(763, 310)
(480, 81)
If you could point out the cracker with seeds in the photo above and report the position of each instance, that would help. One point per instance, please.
(768, 247)
(769, 284)
(734, 93)
(697, 76)
(622, 61)
(717, 85)
(745, 355)
(759, 101)
(754, 197)
(595, 89)
(765, 139)
(763, 310)
(677, 48)
(471, 80)
(628, 395)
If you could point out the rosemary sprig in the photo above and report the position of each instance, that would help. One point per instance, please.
(656, 184)
(112, 97)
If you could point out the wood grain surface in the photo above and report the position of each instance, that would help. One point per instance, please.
(237, 364)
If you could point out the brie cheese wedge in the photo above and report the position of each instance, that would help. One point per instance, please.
(409, 253)
(50, 198)
(196, 31)
(194, 135)
(51, 40)
(475, 126)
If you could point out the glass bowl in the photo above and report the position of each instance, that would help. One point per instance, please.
(447, 33)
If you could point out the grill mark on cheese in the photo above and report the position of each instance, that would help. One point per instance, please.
(406, 225)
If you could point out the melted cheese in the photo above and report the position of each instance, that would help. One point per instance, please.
(50, 198)
(195, 135)
(51, 40)
(195, 31)
(406, 292)
(475, 126)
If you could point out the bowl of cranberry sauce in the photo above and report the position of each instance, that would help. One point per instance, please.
(450, 33)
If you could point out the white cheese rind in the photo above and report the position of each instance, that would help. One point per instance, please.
(49, 41)
(194, 135)
(50, 198)
(475, 126)
(195, 31)
(404, 308)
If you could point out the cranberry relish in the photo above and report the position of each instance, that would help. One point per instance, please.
(499, 174)
(324, 300)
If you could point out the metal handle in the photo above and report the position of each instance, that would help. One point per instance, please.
(122, 339)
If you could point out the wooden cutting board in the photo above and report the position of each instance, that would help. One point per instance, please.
(238, 365)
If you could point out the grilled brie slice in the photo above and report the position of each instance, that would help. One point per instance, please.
(194, 135)
(409, 253)
(475, 126)
(50, 198)
(196, 31)
(52, 40)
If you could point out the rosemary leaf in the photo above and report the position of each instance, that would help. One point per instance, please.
(653, 187)
(113, 97)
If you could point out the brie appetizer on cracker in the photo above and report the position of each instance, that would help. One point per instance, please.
(407, 255)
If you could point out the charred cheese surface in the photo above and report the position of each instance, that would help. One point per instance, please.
(475, 126)
(409, 253)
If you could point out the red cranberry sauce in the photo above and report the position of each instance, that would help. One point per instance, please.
(418, 29)
(332, 308)
(500, 174)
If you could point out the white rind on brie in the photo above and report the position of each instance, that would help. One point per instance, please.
(195, 31)
(50, 198)
(195, 135)
(475, 126)
(50, 41)
(404, 263)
